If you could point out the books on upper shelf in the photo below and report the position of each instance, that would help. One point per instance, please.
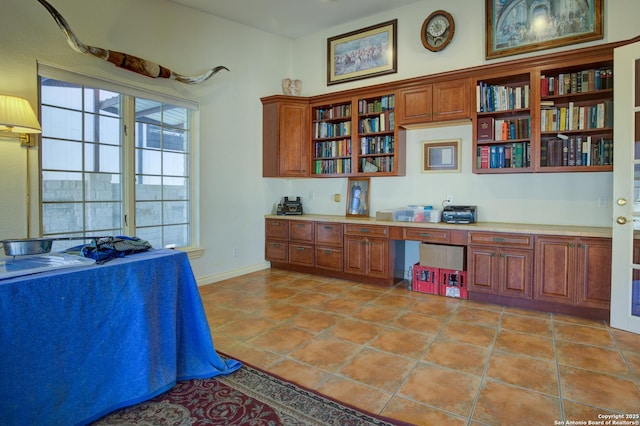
(582, 81)
(384, 122)
(577, 117)
(577, 150)
(383, 103)
(493, 97)
(333, 112)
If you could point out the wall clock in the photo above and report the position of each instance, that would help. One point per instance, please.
(437, 30)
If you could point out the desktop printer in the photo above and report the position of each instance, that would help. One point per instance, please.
(459, 214)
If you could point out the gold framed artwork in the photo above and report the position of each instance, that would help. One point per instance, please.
(358, 197)
(364, 53)
(441, 155)
(522, 26)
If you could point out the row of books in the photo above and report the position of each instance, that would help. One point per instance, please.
(513, 155)
(384, 122)
(576, 151)
(337, 111)
(336, 166)
(330, 130)
(489, 129)
(376, 145)
(573, 117)
(337, 148)
(384, 103)
(577, 82)
(492, 97)
(376, 164)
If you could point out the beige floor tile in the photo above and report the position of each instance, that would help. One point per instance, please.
(378, 314)
(325, 353)
(442, 388)
(360, 294)
(457, 356)
(501, 404)
(355, 331)
(314, 320)
(600, 390)
(378, 369)
(402, 342)
(281, 339)
(525, 344)
(246, 328)
(296, 372)
(477, 316)
(591, 358)
(436, 305)
(341, 306)
(469, 333)
(524, 371)
(526, 324)
(356, 394)
(582, 334)
(420, 414)
(633, 359)
(308, 299)
(626, 340)
(279, 311)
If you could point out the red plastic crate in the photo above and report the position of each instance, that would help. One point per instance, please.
(426, 279)
(453, 283)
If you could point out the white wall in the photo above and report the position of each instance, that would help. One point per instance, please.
(233, 196)
(558, 198)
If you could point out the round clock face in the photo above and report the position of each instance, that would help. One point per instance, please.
(437, 30)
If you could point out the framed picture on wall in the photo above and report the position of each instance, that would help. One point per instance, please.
(363, 53)
(521, 26)
(441, 156)
(358, 197)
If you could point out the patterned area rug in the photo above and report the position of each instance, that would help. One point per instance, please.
(248, 396)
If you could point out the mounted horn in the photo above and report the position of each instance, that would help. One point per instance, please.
(124, 60)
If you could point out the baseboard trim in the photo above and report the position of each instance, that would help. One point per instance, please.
(210, 279)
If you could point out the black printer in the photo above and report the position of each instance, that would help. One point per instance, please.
(459, 214)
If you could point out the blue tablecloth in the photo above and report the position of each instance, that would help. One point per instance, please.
(79, 343)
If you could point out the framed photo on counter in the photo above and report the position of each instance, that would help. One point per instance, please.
(358, 197)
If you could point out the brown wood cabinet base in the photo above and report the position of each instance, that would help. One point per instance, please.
(387, 282)
(537, 305)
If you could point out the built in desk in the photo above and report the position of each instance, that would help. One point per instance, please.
(76, 344)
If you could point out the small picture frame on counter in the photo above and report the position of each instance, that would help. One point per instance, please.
(358, 197)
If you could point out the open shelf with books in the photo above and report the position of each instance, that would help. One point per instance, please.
(331, 144)
(377, 151)
(502, 139)
(576, 118)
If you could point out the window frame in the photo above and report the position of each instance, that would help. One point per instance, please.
(130, 93)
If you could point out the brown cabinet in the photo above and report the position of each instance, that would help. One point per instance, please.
(329, 246)
(277, 240)
(301, 243)
(500, 263)
(575, 271)
(366, 250)
(285, 137)
(444, 101)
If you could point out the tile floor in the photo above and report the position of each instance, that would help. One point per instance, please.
(425, 359)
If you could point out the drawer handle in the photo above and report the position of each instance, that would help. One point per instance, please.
(364, 230)
(328, 251)
(275, 245)
(299, 225)
(498, 240)
(275, 223)
(425, 234)
(300, 249)
(328, 227)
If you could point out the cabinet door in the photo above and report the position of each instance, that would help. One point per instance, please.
(483, 269)
(451, 100)
(301, 231)
(277, 229)
(516, 270)
(594, 272)
(377, 258)
(293, 146)
(301, 254)
(354, 255)
(329, 234)
(329, 258)
(554, 276)
(276, 251)
(415, 105)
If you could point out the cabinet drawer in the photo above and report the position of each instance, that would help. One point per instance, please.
(300, 254)
(329, 258)
(366, 230)
(501, 239)
(301, 231)
(329, 233)
(427, 235)
(276, 251)
(277, 229)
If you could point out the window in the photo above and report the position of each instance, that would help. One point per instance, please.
(114, 162)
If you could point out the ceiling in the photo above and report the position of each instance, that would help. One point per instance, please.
(293, 18)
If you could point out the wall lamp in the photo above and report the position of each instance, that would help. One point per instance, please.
(17, 119)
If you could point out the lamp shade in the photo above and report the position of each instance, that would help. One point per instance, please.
(17, 116)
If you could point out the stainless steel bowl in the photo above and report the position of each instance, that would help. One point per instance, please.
(24, 246)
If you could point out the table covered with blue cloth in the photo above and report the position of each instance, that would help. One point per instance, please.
(76, 344)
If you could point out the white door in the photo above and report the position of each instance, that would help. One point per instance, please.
(625, 274)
